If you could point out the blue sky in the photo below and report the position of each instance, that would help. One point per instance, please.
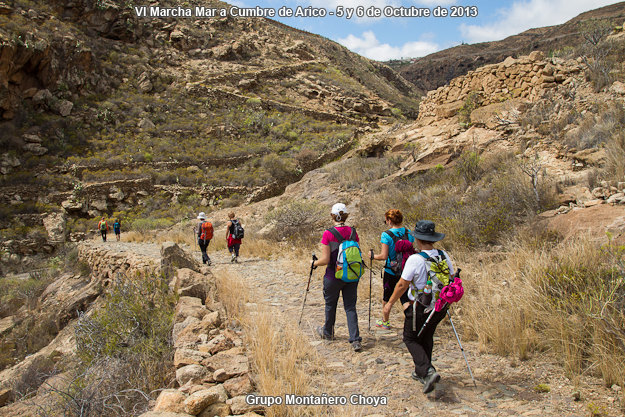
(396, 37)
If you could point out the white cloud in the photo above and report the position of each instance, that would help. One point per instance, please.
(368, 45)
(524, 15)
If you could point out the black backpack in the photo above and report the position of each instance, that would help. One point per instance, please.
(237, 230)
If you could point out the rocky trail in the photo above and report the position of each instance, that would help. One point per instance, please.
(505, 385)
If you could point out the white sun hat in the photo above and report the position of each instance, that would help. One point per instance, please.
(201, 216)
(338, 208)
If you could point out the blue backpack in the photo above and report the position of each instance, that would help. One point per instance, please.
(349, 263)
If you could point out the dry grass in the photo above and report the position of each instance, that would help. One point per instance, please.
(283, 359)
(568, 298)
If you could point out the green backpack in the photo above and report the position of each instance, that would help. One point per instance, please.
(349, 263)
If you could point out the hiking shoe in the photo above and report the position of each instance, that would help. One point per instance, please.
(232, 258)
(386, 325)
(430, 380)
(321, 333)
(236, 259)
(208, 263)
(356, 346)
(417, 377)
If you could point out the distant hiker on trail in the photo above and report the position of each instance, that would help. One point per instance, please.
(334, 286)
(117, 229)
(397, 237)
(416, 277)
(204, 231)
(234, 234)
(103, 227)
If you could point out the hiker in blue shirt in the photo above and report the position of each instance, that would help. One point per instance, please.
(117, 229)
(394, 219)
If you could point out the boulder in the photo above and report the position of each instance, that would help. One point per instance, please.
(35, 149)
(184, 357)
(616, 198)
(6, 396)
(145, 86)
(164, 414)
(6, 324)
(231, 363)
(170, 400)
(178, 327)
(536, 56)
(189, 307)
(72, 206)
(55, 226)
(42, 97)
(192, 284)
(217, 344)
(99, 205)
(618, 88)
(240, 385)
(172, 257)
(8, 162)
(198, 401)
(447, 110)
(217, 409)
(193, 374)
(64, 107)
(197, 332)
(219, 389)
(115, 193)
(146, 124)
(238, 405)
(32, 138)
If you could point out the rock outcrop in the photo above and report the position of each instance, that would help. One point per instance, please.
(526, 78)
(212, 368)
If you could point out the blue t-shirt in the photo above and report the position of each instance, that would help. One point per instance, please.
(386, 239)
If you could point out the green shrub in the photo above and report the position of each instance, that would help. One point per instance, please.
(125, 348)
(472, 102)
(354, 172)
(149, 223)
(468, 166)
(296, 220)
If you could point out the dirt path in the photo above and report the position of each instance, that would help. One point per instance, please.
(505, 386)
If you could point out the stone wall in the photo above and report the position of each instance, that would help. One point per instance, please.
(527, 77)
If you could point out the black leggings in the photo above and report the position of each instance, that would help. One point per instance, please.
(420, 348)
(234, 248)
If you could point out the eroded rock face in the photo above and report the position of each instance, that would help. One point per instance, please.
(55, 224)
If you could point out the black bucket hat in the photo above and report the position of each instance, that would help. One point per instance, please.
(424, 230)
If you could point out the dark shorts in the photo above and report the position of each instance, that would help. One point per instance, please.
(388, 282)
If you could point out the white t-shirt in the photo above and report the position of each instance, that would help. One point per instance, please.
(415, 270)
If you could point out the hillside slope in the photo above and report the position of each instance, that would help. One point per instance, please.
(104, 113)
(437, 69)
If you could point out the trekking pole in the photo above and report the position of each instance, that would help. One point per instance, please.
(312, 266)
(370, 282)
(461, 348)
(426, 321)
